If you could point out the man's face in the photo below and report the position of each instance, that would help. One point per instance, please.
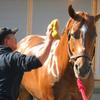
(11, 41)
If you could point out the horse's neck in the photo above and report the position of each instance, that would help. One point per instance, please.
(58, 58)
(52, 61)
(62, 53)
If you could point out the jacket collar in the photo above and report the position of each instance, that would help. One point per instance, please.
(4, 49)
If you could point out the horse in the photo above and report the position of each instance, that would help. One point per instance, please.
(70, 58)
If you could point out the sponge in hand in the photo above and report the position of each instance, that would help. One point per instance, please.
(55, 28)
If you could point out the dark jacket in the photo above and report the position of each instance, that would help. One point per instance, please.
(12, 67)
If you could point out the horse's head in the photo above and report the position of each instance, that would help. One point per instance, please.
(81, 41)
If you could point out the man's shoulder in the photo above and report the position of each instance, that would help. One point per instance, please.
(4, 48)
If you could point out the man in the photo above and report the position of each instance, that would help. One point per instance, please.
(13, 64)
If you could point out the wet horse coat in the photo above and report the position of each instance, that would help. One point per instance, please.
(71, 56)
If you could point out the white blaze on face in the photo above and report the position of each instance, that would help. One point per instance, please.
(84, 29)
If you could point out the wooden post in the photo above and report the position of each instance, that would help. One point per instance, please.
(94, 12)
(94, 7)
(70, 2)
(29, 16)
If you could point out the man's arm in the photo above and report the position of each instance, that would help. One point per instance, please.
(31, 62)
(45, 52)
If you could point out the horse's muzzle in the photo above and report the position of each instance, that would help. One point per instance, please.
(82, 68)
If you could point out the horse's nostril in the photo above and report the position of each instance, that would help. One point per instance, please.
(76, 70)
(76, 66)
(90, 63)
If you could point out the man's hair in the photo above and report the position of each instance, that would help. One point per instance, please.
(4, 32)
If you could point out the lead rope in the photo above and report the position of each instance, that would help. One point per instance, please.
(82, 89)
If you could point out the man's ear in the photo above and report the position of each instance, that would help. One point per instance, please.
(5, 41)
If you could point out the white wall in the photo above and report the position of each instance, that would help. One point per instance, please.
(46, 10)
(13, 14)
(97, 74)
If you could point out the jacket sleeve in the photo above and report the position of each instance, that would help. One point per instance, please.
(26, 63)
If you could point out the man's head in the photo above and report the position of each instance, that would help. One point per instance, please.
(7, 37)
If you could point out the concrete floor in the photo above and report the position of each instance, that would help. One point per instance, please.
(96, 97)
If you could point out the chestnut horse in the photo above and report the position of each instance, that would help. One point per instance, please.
(70, 58)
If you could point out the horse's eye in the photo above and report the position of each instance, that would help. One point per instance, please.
(76, 35)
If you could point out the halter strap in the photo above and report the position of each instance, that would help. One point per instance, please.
(74, 57)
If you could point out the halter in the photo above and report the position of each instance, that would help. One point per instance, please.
(74, 57)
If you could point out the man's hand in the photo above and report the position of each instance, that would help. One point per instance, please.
(52, 30)
(49, 32)
(52, 34)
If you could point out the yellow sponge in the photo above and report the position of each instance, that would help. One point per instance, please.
(55, 28)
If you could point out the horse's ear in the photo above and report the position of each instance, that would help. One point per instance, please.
(97, 17)
(72, 13)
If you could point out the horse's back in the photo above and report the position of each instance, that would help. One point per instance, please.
(29, 41)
